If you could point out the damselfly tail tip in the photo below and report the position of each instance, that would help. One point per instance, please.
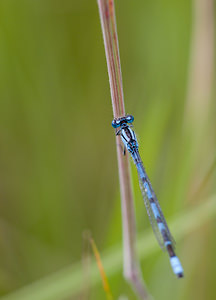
(176, 266)
(180, 275)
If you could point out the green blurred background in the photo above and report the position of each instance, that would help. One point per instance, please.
(58, 167)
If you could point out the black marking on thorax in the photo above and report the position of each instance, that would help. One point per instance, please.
(127, 132)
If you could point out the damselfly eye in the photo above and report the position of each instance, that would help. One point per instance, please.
(115, 123)
(129, 118)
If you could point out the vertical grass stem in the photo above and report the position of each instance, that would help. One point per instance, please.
(131, 264)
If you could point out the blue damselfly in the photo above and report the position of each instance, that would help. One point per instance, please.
(157, 220)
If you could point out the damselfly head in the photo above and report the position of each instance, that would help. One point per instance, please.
(120, 121)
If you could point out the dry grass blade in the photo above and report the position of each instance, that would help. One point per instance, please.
(131, 265)
(106, 285)
(108, 24)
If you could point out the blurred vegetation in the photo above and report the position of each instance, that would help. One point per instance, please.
(58, 167)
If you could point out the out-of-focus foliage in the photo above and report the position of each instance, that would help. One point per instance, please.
(58, 168)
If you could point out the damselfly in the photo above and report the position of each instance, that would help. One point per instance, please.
(157, 220)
